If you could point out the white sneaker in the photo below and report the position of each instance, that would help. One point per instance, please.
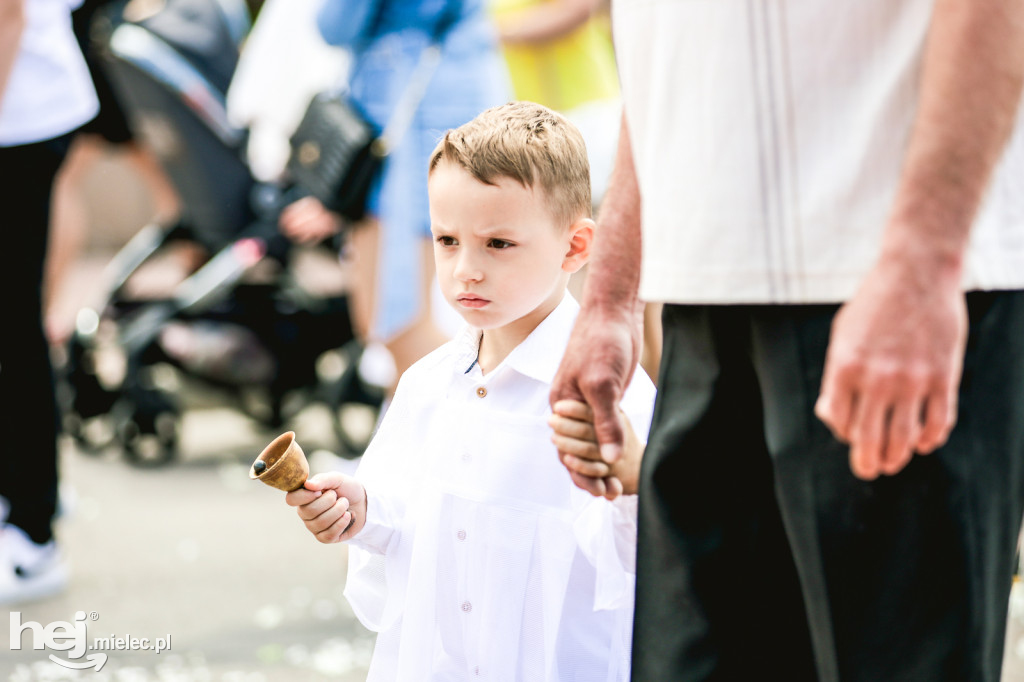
(28, 571)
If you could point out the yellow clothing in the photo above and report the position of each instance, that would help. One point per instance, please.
(565, 72)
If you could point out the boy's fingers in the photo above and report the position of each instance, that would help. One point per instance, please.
(324, 480)
(574, 409)
(613, 487)
(570, 428)
(328, 518)
(571, 446)
(594, 486)
(336, 530)
(318, 506)
(297, 498)
(586, 467)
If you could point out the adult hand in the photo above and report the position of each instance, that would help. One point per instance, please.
(306, 221)
(574, 436)
(597, 366)
(893, 365)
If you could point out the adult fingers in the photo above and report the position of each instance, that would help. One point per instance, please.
(904, 427)
(867, 434)
(603, 400)
(837, 402)
(939, 416)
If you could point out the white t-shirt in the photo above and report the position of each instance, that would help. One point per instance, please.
(49, 92)
(480, 559)
(768, 139)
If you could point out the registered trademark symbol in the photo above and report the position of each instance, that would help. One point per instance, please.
(93, 615)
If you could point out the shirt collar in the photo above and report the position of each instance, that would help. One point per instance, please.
(540, 353)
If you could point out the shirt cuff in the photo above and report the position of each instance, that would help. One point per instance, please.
(378, 527)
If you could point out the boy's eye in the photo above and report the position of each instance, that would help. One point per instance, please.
(499, 244)
(445, 240)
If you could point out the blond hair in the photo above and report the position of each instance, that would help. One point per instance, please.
(530, 144)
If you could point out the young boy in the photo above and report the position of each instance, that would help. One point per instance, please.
(472, 553)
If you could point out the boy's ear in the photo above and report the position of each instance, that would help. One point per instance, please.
(581, 237)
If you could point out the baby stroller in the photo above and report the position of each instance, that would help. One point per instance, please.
(267, 345)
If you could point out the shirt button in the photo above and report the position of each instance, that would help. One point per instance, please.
(481, 392)
(461, 535)
(467, 607)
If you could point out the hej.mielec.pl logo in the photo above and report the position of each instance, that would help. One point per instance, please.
(73, 638)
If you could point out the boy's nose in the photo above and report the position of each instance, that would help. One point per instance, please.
(466, 269)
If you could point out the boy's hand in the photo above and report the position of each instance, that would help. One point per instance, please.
(332, 505)
(576, 440)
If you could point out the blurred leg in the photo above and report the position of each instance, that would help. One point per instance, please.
(28, 419)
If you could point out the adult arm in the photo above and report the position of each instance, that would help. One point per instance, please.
(605, 343)
(895, 357)
(12, 24)
(546, 21)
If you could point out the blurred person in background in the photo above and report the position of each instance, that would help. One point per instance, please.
(107, 131)
(391, 251)
(45, 94)
(559, 53)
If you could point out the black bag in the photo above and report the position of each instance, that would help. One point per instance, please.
(336, 151)
(335, 154)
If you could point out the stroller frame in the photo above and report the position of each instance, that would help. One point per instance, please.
(174, 95)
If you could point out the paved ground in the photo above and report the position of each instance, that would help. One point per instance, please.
(197, 553)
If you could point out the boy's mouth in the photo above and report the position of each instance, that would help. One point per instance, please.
(471, 301)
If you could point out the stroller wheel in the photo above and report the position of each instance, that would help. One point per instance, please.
(91, 436)
(154, 445)
(147, 426)
(354, 405)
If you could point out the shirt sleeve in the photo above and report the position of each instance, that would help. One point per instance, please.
(606, 534)
(366, 586)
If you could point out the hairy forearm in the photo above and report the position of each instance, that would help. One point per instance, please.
(546, 21)
(12, 23)
(613, 279)
(970, 90)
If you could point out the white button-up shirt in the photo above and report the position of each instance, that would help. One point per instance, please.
(769, 137)
(480, 559)
(49, 91)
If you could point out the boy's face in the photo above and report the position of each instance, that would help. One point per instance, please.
(502, 260)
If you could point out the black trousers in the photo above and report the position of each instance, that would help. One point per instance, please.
(760, 556)
(28, 414)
